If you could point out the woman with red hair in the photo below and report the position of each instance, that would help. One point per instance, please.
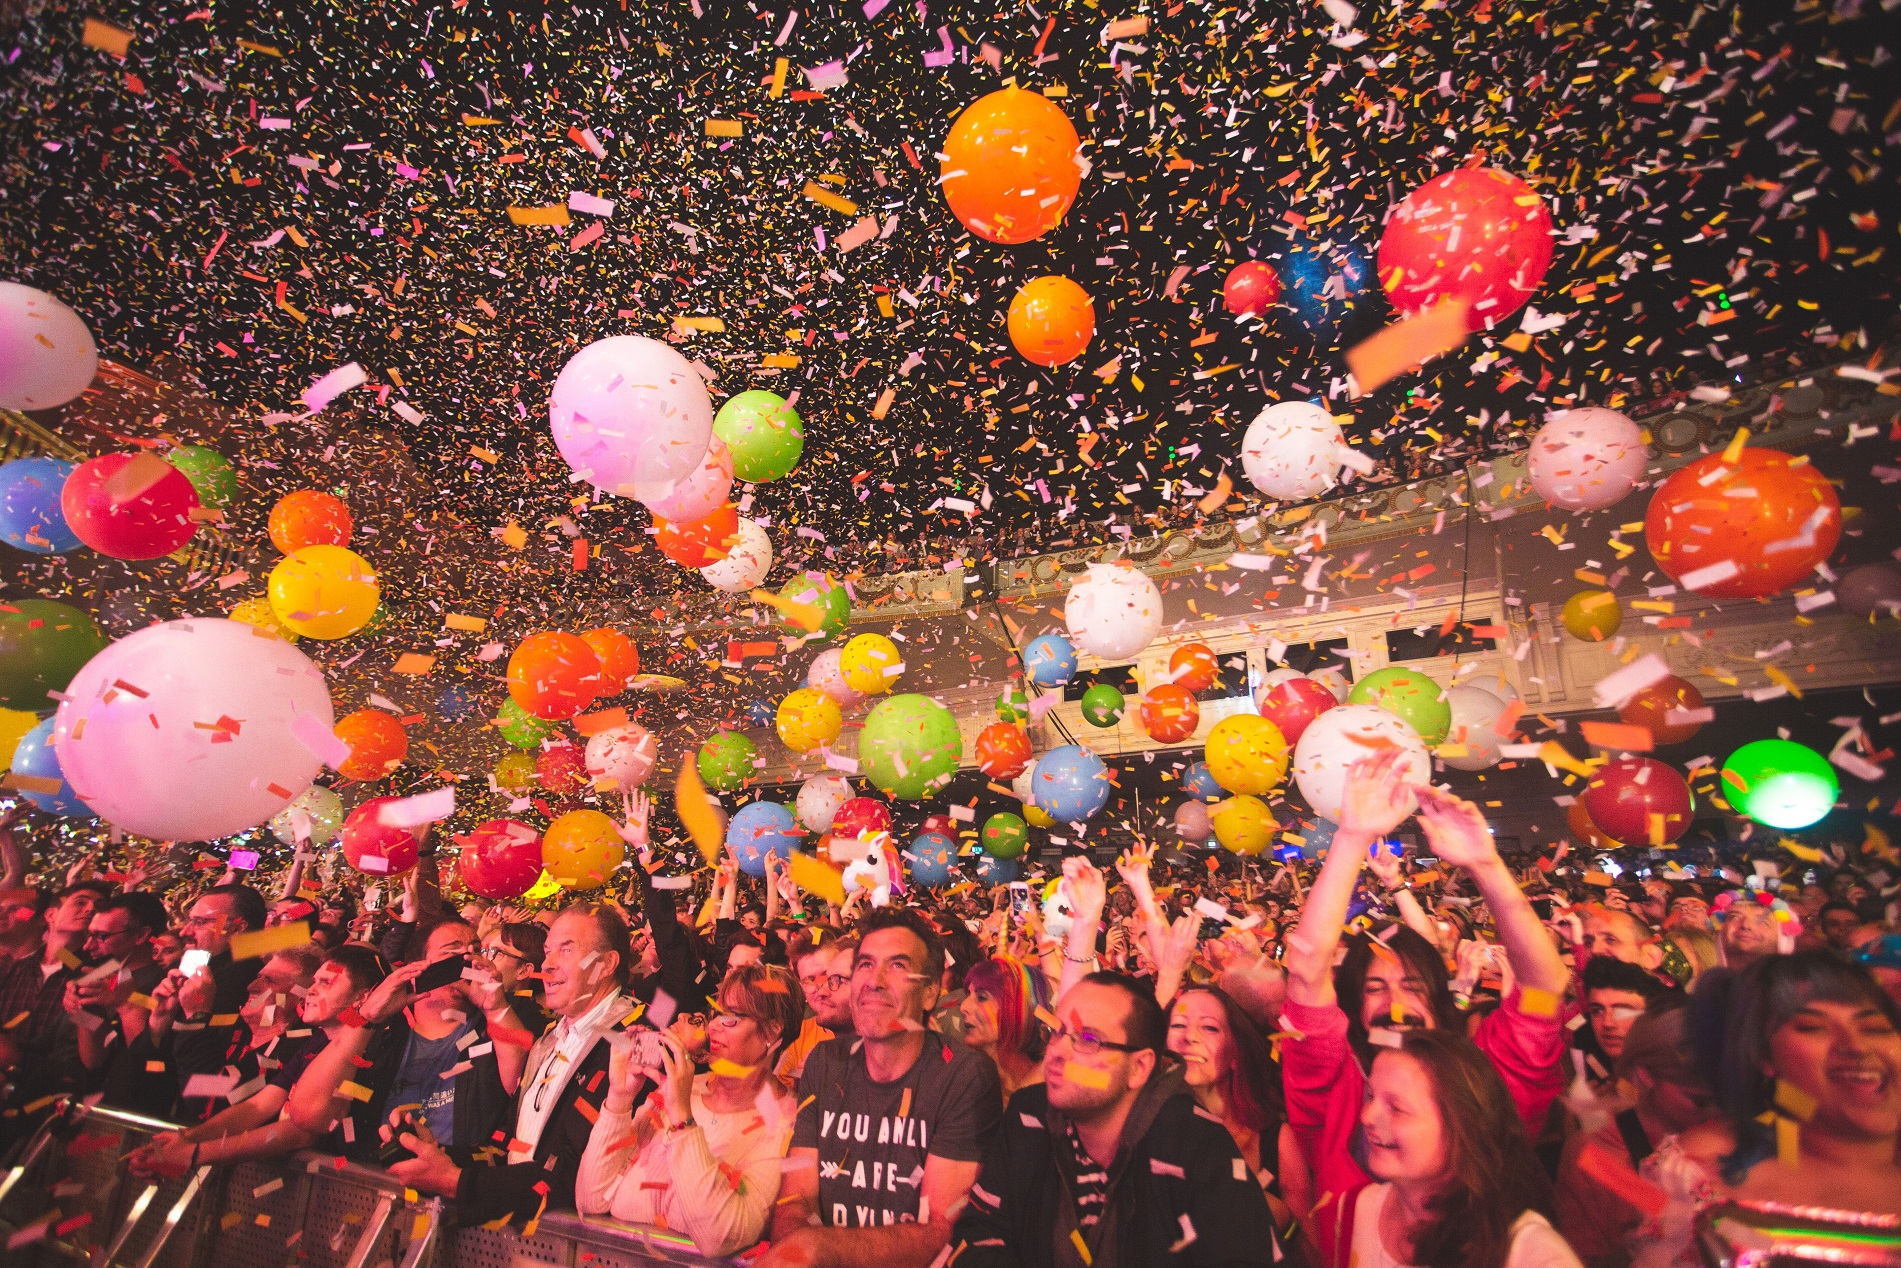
(1002, 999)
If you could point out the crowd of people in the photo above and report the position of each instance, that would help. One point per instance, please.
(1431, 1057)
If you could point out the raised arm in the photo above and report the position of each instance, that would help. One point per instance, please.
(1391, 871)
(1086, 895)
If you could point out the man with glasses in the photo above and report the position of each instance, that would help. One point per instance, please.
(1108, 1161)
(823, 967)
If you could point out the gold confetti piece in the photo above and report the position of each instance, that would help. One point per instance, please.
(414, 663)
(1794, 1102)
(732, 1069)
(780, 361)
(807, 616)
(136, 476)
(553, 214)
(725, 127)
(32, 783)
(1788, 1142)
(514, 536)
(355, 1091)
(1406, 345)
(1076, 1234)
(250, 945)
(255, 47)
(1533, 1002)
(779, 67)
(826, 198)
(106, 38)
(478, 121)
(689, 802)
(472, 624)
(817, 879)
(1733, 452)
(713, 325)
(1554, 754)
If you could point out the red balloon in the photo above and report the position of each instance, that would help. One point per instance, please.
(861, 816)
(1291, 705)
(376, 848)
(554, 676)
(1003, 750)
(1169, 713)
(1632, 795)
(500, 859)
(620, 659)
(1252, 288)
(697, 543)
(561, 770)
(130, 506)
(1742, 528)
(1193, 668)
(941, 824)
(377, 744)
(1652, 707)
(1585, 831)
(1476, 234)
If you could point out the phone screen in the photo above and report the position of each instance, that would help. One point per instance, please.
(440, 974)
(193, 962)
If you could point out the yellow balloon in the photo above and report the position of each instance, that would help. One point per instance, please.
(14, 724)
(1244, 824)
(1247, 754)
(865, 662)
(581, 849)
(516, 771)
(808, 718)
(1592, 615)
(1037, 817)
(544, 889)
(324, 591)
(257, 611)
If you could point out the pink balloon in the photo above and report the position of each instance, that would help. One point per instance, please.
(130, 506)
(630, 415)
(1252, 288)
(1587, 459)
(1192, 822)
(500, 859)
(624, 754)
(701, 493)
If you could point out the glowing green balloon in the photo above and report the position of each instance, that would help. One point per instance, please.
(726, 761)
(1103, 705)
(208, 472)
(42, 645)
(833, 603)
(1005, 835)
(910, 746)
(1780, 783)
(519, 727)
(1409, 696)
(762, 432)
(1013, 705)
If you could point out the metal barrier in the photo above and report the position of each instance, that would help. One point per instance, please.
(69, 1199)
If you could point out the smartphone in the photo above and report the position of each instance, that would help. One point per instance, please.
(394, 1151)
(647, 1048)
(440, 974)
(193, 962)
(1020, 899)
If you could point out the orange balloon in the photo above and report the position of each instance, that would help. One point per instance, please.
(554, 676)
(1169, 713)
(1051, 320)
(1003, 750)
(1193, 668)
(1743, 528)
(697, 543)
(1012, 166)
(1652, 706)
(1585, 831)
(309, 517)
(377, 744)
(620, 659)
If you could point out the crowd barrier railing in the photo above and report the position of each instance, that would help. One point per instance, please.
(67, 1198)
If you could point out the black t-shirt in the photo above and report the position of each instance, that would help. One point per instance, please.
(872, 1138)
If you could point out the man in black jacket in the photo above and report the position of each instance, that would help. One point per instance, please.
(1108, 1164)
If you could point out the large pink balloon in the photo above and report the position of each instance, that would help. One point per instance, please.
(194, 729)
(631, 416)
(1587, 459)
(47, 356)
(624, 754)
(701, 493)
(1192, 822)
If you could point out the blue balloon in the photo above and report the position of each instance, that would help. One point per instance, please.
(760, 827)
(758, 713)
(1049, 660)
(1199, 782)
(35, 757)
(996, 871)
(1316, 840)
(1070, 783)
(1322, 280)
(30, 514)
(457, 704)
(931, 859)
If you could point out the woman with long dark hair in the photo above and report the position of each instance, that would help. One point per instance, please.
(1002, 997)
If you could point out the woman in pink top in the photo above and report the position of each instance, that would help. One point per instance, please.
(1400, 985)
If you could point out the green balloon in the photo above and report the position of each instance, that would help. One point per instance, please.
(910, 746)
(42, 645)
(1013, 705)
(208, 472)
(1409, 696)
(1103, 705)
(763, 434)
(833, 603)
(726, 761)
(1780, 783)
(1005, 835)
(521, 728)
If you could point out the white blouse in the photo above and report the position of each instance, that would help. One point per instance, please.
(1535, 1244)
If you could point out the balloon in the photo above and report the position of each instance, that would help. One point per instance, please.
(1199, 782)
(1102, 705)
(309, 517)
(861, 817)
(1742, 529)
(1475, 234)
(376, 848)
(748, 560)
(47, 356)
(1051, 320)
(1317, 839)
(1586, 832)
(1071, 783)
(1005, 835)
(500, 859)
(543, 889)
(554, 675)
(619, 658)
(870, 663)
(1012, 165)
(181, 779)
(43, 643)
(453, 703)
(1474, 710)
(257, 613)
(1292, 704)
(561, 770)
(1193, 823)
(31, 517)
(1592, 615)
(1169, 713)
(763, 434)
(1870, 590)
(1338, 738)
(377, 744)
(631, 416)
(516, 772)
(1246, 754)
(1408, 695)
(1192, 667)
(1013, 706)
(1639, 800)
(1587, 459)
(1049, 660)
(581, 849)
(1003, 750)
(910, 746)
(1324, 280)
(809, 719)
(726, 760)
(758, 829)
(700, 493)
(1243, 824)
(35, 759)
(1334, 679)
(819, 799)
(826, 675)
(1293, 450)
(1652, 707)
(324, 592)
(1780, 783)
(1115, 612)
(1252, 288)
(995, 871)
(14, 724)
(833, 604)
(209, 472)
(519, 727)
(1037, 817)
(129, 506)
(314, 815)
(697, 543)
(624, 754)
(930, 859)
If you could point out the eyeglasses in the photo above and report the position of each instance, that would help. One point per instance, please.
(489, 953)
(728, 1020)
(1087, 1043)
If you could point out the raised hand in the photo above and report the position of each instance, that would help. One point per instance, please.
(1455, 829)
(1385, 865)
(637, 808)
(1378, 798)
(1087, 891)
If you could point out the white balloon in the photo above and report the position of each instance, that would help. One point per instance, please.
(1272, 679)
(1334, 679)
(1024, 785)
(819, 799)
(1294, 450)
(631, 416)
(1346, 734)
(1474, 709)
(47, 356)
(747, 562)
(825, 675)
(141, 734)
(702, 492)
(1586, 459)
(625, 754)
(1114, 612)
